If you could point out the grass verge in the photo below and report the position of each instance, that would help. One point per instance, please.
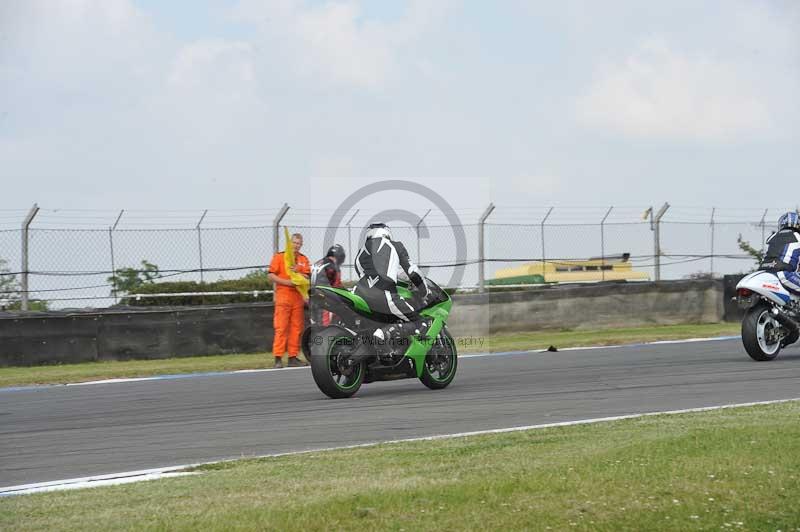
(735, 469)
(89, 371)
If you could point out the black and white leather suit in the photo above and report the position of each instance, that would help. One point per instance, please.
(378, 264)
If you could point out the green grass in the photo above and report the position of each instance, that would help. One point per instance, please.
(88, 371)
(736, 469)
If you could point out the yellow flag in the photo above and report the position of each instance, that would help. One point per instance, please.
(300, 281)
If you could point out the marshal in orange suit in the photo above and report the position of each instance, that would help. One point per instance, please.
(289, 303)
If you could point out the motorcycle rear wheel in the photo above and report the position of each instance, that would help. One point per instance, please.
(758, 328)
(331, 371)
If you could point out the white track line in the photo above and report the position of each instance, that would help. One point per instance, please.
(96, 481)
(179, 376)
(180, 470)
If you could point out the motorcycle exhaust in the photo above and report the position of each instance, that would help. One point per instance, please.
(361, 353)
(791, 325)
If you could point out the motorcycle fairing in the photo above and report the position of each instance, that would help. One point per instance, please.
(355, 301)
(767, 285)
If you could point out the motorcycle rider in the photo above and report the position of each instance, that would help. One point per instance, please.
(783, 252)
(327, 272)
(377, 264)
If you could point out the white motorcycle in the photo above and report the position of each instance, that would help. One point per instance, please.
(772, 319)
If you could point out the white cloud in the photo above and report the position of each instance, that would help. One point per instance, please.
(213, 74)
(662, 93)
(212, 96)
(332, 167)
(335, 41)
(98, 94)
(537, 185)
(79, 45)
(91, 92)
(209, 62)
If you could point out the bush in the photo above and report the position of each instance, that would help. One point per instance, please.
(253, 281)
(127, 280)
(699, 275)
(34, 305)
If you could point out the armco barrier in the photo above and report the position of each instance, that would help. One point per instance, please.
(145, 333)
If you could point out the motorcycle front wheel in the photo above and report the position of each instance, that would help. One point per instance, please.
(441, 362)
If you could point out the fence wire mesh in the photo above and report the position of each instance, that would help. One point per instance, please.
(72, 255)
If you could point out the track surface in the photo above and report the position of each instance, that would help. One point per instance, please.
(63, 432)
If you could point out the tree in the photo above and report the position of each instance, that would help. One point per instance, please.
(11, 292)
(257, 275)
(757, 254)
(127, 280)
(9, 287)
(699, 275)
(34, 305)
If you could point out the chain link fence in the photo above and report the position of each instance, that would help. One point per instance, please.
(70, 258)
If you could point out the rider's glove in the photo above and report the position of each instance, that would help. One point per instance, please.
(426, 294)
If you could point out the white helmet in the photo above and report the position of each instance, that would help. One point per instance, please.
(790, 219)
(379, 230)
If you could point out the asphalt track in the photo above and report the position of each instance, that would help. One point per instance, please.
(60, 432)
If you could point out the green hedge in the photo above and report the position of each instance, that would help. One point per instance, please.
(252, 282)
(230, 285)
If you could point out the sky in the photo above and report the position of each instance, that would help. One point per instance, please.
(141, 104)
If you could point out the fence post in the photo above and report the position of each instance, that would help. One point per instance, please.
(544, 255)
(656, 221)
(763, 228)
(276, 224)
(24, 282)
(111, 247)
(481, 254)
(200, 244)
(603, 244)
(713, 211)
(419, 253)
(350, 251)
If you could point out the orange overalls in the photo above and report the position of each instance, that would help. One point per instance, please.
(288, 320)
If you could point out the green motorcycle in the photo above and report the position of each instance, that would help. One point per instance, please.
(343, 355)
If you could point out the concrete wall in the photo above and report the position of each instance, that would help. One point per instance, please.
(123, 334)
(140, 333)
(588, 307)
